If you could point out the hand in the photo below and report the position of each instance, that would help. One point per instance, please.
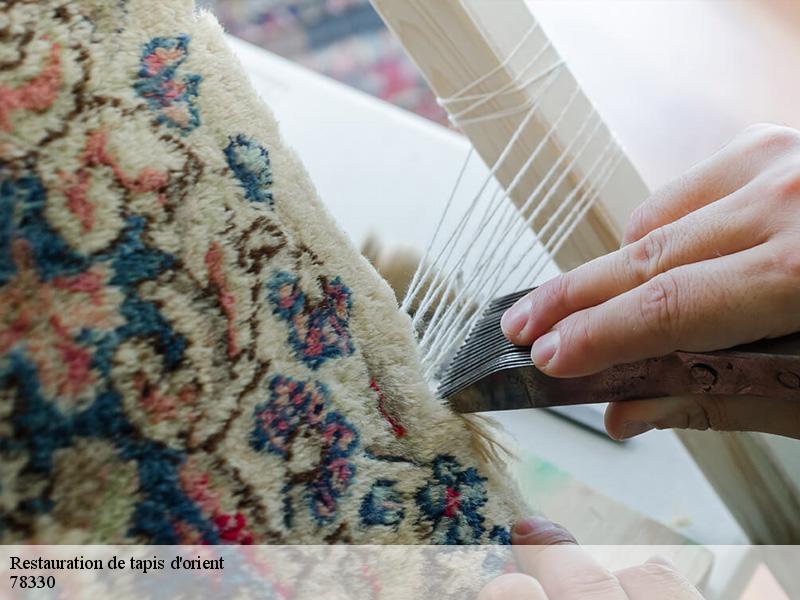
(553, 567)
(710, 261)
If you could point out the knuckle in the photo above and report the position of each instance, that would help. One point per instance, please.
(785, 262)
(587, 583)
(785, 183)
(711, 413)
(645, 256)
(580, 336)
(791, 267)
(560, 290)
(769, 138)
(659, 305)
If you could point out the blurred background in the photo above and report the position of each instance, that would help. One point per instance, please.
(344, 39)
(675, 79)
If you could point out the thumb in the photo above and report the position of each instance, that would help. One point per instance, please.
(627, 419)
(538, 531)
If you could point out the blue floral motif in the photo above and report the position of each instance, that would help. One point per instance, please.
(383, 505)
(22, 202)
(500, 535)
(295, 408)
(251, 166)
(172, 100)
(278, 420)
(451, 502)
(317, 333)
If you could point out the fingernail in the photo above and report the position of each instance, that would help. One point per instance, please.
(540, 531)
(515, 318)
(527, 526)
(634, 428)
(545, 348)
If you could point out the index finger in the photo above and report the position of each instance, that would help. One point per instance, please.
(723, 228)
(695, 308)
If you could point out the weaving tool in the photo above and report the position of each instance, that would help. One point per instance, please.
(490, 373)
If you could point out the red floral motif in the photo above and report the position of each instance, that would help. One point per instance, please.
(216, 276)
(37, 94)
(95, 154)
(397, 427)
(304, 407)
(452, 502)
(231, 527)
(318, 332)
(171, 96)
(162, 57)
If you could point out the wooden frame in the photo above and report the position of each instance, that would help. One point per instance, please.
(452, 47)
(455, 43)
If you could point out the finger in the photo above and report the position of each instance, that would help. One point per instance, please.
(716, 177)
(711, 304)
(725, 227)
(566, 572)
(661, 560)
(655, 581)
(627, 419)
(539, 531)
(513, 586)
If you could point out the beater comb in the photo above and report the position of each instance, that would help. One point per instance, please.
(490, 373)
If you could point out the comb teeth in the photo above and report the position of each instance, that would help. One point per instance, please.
(485, 351)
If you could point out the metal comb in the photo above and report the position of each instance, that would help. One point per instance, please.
(490, 373)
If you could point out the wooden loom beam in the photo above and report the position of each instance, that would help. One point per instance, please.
(451, 49)
(454, 43)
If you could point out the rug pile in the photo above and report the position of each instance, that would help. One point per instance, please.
(191, 351)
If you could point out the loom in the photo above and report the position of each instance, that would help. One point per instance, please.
(559, 189)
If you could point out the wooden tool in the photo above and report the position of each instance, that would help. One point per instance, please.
(490, 373)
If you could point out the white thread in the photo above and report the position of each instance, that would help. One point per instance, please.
(502, 157)
(563, 233)
(486, 222)
(447, 337)
(449, 342)
(497, 69)
(456, 235)
(433, 326)
(480, 98)
(521, 224)
(570, 228)
(411, 292)
(458, 117)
